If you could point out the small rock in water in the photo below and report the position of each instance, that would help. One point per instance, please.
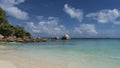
(66, 37)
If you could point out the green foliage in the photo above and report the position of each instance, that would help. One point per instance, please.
(20, 32)
(2, 15)
(7, 29)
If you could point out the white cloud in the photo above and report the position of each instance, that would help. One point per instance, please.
(17, 13)
(86, 29)
(10, 7)
(106, 16)
(50, 27)
(74, 13)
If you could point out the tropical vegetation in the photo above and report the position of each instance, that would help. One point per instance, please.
(6, 29)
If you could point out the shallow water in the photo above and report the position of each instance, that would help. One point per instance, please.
(76, 53)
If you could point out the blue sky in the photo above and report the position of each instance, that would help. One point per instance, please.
(78, 18)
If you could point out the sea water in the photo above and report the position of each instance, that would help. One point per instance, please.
(75, 53)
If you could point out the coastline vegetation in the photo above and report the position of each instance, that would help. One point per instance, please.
(6, 29)
(10, 33)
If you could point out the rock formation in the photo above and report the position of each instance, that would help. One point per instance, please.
(66, 37)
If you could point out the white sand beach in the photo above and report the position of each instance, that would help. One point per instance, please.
(6, 64)
(17, 62)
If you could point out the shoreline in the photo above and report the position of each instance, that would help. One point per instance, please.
(11, 39)
(61, 56)
(31, 39)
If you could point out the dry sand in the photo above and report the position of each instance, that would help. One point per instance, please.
(24, 63)
(6, 64)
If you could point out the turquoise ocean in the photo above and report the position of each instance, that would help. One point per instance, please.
(74, 53)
